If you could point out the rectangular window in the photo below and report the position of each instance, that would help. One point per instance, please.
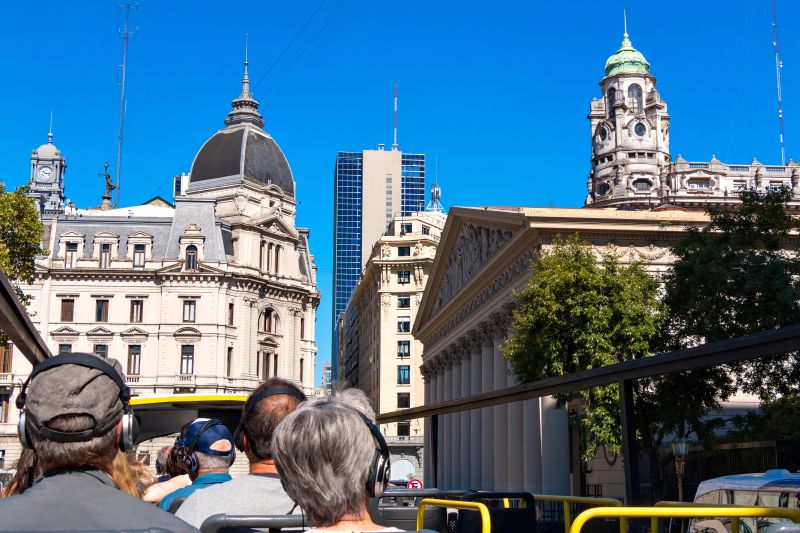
(302, 368)
(404, 251)
(403, 400)
(71, 255)
(229, 362)
(404, 302)
(6, 354)
(403, 374)
(101, 311)
(404, 429)
(275, 365)
(138, 256)
(105, 255)
(101, 350)
(64, 348)
(230, 313)
(137, 309)
(426, 230)
(67, 310)
(134, 359)
(405, 227)
(187, 359)
(189, 307)
(403, 348)
(302, 328)
(403, 277)
(403, 324)
(4, 403)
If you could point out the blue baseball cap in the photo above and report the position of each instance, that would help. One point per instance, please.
(203, 433)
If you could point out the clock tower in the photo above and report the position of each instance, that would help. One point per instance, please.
(630, 134)
(46, 184)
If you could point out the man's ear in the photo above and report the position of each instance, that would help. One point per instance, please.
(246, 442)
(118, 433)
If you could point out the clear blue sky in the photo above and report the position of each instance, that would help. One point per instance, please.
(499, 91)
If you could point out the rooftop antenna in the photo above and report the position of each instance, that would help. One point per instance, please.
(435, 205)
(394, 144)
(50, 131)
(125, 33)
(778, 67)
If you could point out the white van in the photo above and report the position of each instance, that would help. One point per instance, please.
(773, 488)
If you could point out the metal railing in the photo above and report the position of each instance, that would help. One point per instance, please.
(486, 523)
(685, 511)
(568, 501)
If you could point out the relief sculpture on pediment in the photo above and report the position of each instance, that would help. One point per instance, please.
(473, 248)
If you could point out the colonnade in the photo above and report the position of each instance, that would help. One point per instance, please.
(508, 447)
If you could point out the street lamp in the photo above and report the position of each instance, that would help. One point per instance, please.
(680, 449)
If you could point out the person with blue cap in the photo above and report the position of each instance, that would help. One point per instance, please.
(205, 451)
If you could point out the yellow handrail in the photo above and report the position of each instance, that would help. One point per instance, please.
(566, 500)
(687, 511)
(735, 522)
(486, 523)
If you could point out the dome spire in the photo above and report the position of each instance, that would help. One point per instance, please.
(627, 60)
(50, 131)
(245, 107)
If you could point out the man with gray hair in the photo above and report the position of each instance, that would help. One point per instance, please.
(206, 452)
(332, 458)
(75, 417)
(260, 492)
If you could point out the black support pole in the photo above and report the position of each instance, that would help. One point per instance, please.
(630, 450)
(434, 451)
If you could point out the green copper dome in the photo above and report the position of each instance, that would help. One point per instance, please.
(627, 60)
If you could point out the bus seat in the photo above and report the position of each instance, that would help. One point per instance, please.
(398, 508)
(230, 524)
(510, 512)
(175, 504)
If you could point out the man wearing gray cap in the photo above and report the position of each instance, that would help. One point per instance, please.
(74, 414)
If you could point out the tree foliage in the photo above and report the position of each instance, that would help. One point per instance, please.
(577, 313)
(20, 237)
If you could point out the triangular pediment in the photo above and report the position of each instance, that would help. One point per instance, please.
(72, 235)
(106, 235)
(64, 331)
(202, 268)
(134, 332)
(471, 240)
(274, 223)
(139, 235)
(99, 332)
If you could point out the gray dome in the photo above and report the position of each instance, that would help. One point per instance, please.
(244, 151)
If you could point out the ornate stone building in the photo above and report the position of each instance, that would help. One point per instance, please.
(377, 351)
(631, 163)
(209, 295)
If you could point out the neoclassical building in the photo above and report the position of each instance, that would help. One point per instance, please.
(377, 352)
(210, 294)
(640, 202)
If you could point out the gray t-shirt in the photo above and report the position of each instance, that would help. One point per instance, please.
(253, 494)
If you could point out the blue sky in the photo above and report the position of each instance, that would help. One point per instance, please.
(498, 91)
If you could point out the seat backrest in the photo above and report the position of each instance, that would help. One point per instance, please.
(175, 504)
(510, 512)
(398, 508)
(228, 523)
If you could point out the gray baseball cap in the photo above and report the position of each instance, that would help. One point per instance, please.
(72, 389)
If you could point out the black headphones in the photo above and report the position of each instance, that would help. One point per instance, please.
(252, 401)
(130, 426)
(185, 455)
(380, 467)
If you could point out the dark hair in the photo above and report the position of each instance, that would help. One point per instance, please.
(261, 419)
(26, 469)
(172, 466)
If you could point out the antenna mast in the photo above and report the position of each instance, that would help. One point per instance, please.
(394, 144)
(778, 67)
(125, 33)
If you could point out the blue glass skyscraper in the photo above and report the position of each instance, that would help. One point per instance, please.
(370, 187)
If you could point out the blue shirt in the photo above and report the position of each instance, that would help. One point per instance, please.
(206, 480)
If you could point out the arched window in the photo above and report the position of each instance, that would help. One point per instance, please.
(191, 257)
(612, 97)
(268, 321)
(635, 101)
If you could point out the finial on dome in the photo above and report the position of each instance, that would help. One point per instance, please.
(626, 41)
(50, 131)
(245, 107)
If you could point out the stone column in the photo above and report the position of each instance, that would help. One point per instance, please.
(475, 414)
(500, 418)
(447, 448)
(487, 422)
(439, 380)
(532, 444)
(426, 449)
(515, 442)
(466, 377)
(555, 448)
(455, 462)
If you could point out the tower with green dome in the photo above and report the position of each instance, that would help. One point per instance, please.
(630, 133)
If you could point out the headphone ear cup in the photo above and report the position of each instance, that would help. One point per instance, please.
(233, 458)
(238, 438)
(130, 430)
(22, 431)
(382, 468)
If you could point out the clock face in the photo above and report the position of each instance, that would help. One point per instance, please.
(640, 129)
(45, 173)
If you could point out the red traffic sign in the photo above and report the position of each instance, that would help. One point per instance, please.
(414, 483)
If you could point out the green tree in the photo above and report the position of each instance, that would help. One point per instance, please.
(734, 277)
(578, 313)
(20, 237)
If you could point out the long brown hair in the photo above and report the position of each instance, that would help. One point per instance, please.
(27, 468)
(131, 476)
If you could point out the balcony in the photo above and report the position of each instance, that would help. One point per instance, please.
(417, 440)
(6, 379)
(132, 379)
(185, 380)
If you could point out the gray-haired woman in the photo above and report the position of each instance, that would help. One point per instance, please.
(326, 452)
